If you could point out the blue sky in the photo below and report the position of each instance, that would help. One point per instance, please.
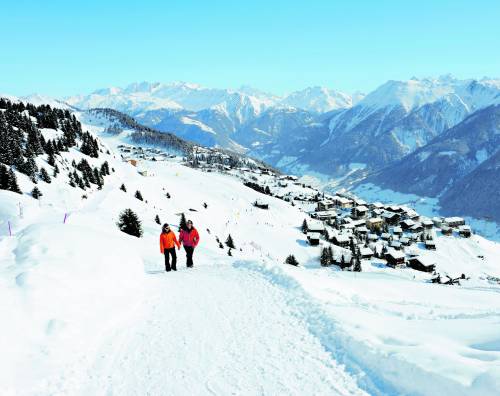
(67, 47)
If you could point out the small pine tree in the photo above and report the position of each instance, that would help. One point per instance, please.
(36, 193)
(357, 265)
(44, 175)
(229, 252)
(129, 223)
(157, 219)
(123, 188)
(324, 258)
(230, 242)
(342, 262)
(291, 260)
(167, 195)
(138, 195)
(182, 223)
(304, 226)
(331, 259)
(221, 246)
(13, 186)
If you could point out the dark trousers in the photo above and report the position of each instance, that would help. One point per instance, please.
(168, 253)
(189, 255)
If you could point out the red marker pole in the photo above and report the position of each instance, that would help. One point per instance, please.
(65, 216)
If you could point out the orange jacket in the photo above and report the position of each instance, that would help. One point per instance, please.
(168, 241)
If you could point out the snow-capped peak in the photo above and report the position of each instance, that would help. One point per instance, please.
(318, 99)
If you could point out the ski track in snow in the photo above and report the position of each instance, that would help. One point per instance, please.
(214, 330)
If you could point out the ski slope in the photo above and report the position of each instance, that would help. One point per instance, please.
(87, 309)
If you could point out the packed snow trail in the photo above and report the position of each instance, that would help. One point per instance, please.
(212, 330)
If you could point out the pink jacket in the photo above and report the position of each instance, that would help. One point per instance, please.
(189, 238)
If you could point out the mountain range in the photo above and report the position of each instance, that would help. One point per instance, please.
(380, 137)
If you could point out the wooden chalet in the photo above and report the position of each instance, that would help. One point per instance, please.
(395, 258)
(360, 212)
(341, 240)
(375, 223)
(454, 221)
(445, 230)
(427, 224)
(261, 205)
(465, 231)
(366, 253)
(324, 205)
(421, 264)
(407, 224)
(316, 227)
(342, 202)
(430, 244)
(313, 238)
(391, 218)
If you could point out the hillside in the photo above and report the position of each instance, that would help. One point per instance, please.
(450, 166)
(90, 310)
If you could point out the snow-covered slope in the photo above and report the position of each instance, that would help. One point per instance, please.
(88, 310)
(318, 100)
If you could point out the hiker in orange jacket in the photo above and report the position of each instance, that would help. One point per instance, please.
(168, 242)
(190, 238)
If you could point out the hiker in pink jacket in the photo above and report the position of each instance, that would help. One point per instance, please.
(190, 238)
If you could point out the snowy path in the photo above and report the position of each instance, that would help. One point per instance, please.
(206, 331)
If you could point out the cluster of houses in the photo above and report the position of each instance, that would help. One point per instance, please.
(389, 232)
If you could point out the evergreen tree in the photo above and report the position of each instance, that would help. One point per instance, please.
(4, 177)
(157, 219)
(56, 171)
(357, 265)
(123, 188)
(138, 195)
(230, 242)
(129, 223)
(324, 258)
(105, 169)
(291, 260)
(51, 160)
(13, 186)
(182, 223)
(29, 168)
(267, 190)
(45, 176)
(221, 246)
(36, 193)
(229, 252)
(304, 226)
(331, 259)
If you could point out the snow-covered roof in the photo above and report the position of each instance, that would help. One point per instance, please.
(362, 208)
(366, 251)
(342, 238)
(396, 254)
(454, 219)
(313, 235)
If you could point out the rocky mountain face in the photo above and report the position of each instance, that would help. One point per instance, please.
(461, 161)
(389, 123)
(234, 119)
